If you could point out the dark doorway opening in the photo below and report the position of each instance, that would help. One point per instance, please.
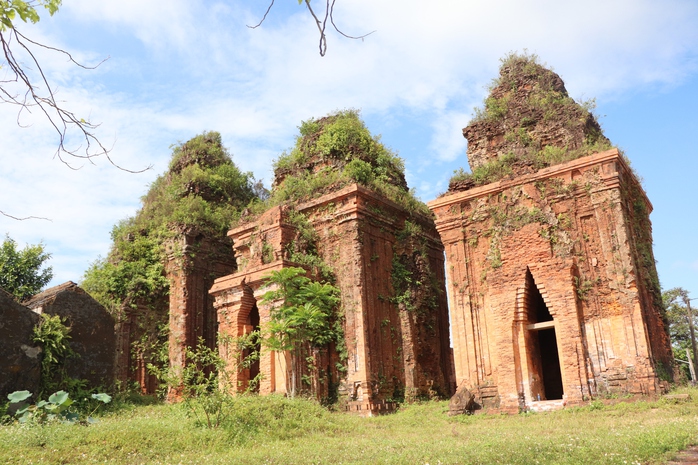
(550, 364)
(544, 359)
(251, 355)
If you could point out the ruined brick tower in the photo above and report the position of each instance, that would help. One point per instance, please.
(386, 258)
(554, 294)
(165, 259)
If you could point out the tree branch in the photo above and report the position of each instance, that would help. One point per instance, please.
(342, 33)
(321, 25)
(23, 218)
(263, 17)
(62, 120)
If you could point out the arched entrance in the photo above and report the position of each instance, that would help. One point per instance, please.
(541, 346)
(250, 355)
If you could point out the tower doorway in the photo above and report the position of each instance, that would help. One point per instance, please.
(543, 355)
(251, 354)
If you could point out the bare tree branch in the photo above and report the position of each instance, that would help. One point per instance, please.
(342, 33)
(41, 95)
(263, 17)
(23, 218)
(321, 25)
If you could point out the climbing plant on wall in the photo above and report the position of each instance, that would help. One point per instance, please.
(302, 317)
(202, 193)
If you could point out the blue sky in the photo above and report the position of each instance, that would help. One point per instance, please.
(193, 65)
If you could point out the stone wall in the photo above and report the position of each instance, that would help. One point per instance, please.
(92, 335)
(20, 357)
(564, 251)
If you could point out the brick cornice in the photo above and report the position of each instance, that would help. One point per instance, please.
(610, 177)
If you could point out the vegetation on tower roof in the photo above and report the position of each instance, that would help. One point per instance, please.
(333, 152)
(202, 193)
(530, 123)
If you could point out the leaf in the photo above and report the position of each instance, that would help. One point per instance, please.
(58, 398)
(102, 397)
(22, 409)
(18, 396)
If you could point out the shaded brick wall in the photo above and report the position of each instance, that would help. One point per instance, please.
(92, 335)
(20, 357)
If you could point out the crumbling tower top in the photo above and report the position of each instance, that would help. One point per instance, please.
(528, 122)
(339, 145)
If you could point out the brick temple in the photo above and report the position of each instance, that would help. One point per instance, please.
(554, 296)
(546, 249)
(392, 353)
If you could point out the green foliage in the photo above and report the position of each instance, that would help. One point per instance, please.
(201, 195)
(545, 102)
(134, 270)
(680, 319)
(56, 408)
(350, 154)
(275, 429)
(10, 10)
(303, 250)
(641, 233)
(204, 383)
(203, 191)
(583, 287)
(305, 312)
(54, 338)
(277, 418)
(415, 287)
(20, 270)
(501, 167)
(302, 313)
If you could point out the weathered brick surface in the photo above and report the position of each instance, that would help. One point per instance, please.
(193, 263)
(576, 235)
(528, 110)
(392, 350)
(92, 335)
(20, 357)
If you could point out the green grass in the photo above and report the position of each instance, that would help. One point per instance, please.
(276, 430)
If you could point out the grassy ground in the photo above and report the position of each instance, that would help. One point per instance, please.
(276, 430)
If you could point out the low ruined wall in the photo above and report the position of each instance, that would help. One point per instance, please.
(92, 335)
(20, 358)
